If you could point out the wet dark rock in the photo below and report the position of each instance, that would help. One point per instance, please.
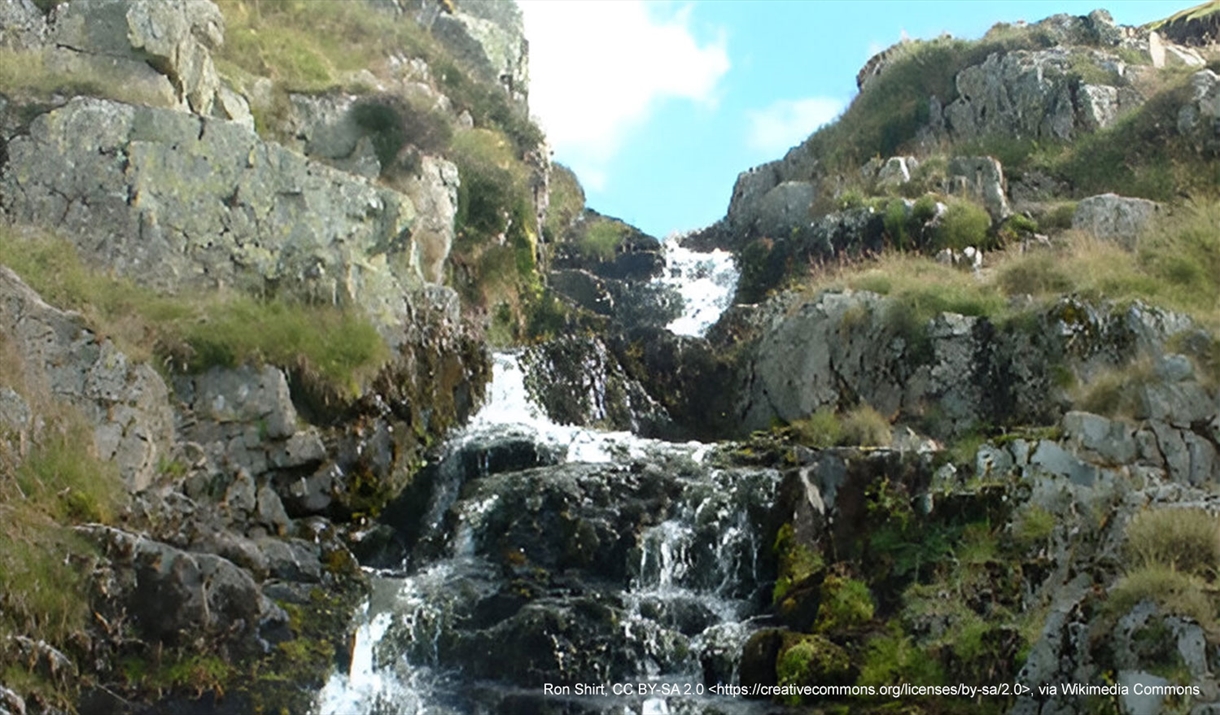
(759, 656)
(577, 381)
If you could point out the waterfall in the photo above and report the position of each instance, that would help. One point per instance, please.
(558, 562)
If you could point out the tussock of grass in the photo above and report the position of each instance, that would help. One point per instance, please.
(1114, 392)
(1175, 592)
(861, 426)
(197, 331)
(1187, 540)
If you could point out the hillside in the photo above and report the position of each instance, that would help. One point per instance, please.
(261, 260)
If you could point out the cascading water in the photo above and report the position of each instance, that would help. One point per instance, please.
(555, 562)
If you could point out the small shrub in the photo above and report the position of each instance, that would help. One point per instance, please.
(1186, 540)
(1034, 526)
(964, 224)
(1059, 216)
(851, 199)
(924, 210)
(865, 427)
(393, 122)
(1114, 393)
(892, 658)
(896, 222)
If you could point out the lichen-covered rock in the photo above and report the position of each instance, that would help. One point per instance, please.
(1029, 94)
(22, 25)
(174, 36)
(487, 36)
(1114, 217)
(180, 202)
(840, 348)
(126, 402)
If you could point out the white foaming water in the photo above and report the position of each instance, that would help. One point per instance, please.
(510, 407)
(706, 281)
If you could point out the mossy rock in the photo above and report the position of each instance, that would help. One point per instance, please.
(809, 660)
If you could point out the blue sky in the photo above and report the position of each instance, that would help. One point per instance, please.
(658, 105)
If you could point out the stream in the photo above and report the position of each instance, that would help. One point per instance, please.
(558, 569)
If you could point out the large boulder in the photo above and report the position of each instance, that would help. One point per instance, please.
(178, 202)
(1114, 217)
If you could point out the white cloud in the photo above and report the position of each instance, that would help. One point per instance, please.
(787, 122)
(598, 68)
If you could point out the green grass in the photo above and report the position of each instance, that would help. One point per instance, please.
(601, 239)
(567, 200)
(30, 73)
(196, 331)
(316, 47)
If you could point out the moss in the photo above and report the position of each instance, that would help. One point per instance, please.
(847, 605)
(797, 563)
(807, 660)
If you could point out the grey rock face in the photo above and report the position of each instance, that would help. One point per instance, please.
(180, 202)
(1204, 111)
(839, 348)
(488, 36)
(178, 595)
(1114, 217)
(982, 178)
(22, 25)
(126, 402)
(1028, 94)
(174, 36)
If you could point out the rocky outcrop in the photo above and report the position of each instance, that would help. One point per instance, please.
(1196, 26)
(125, 401)
(1202, 114)
(1115, 218)
(1031, 94)
(950, 374)
(176, 202)
(766, 263)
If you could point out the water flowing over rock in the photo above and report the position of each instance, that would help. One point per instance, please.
(624, 558)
